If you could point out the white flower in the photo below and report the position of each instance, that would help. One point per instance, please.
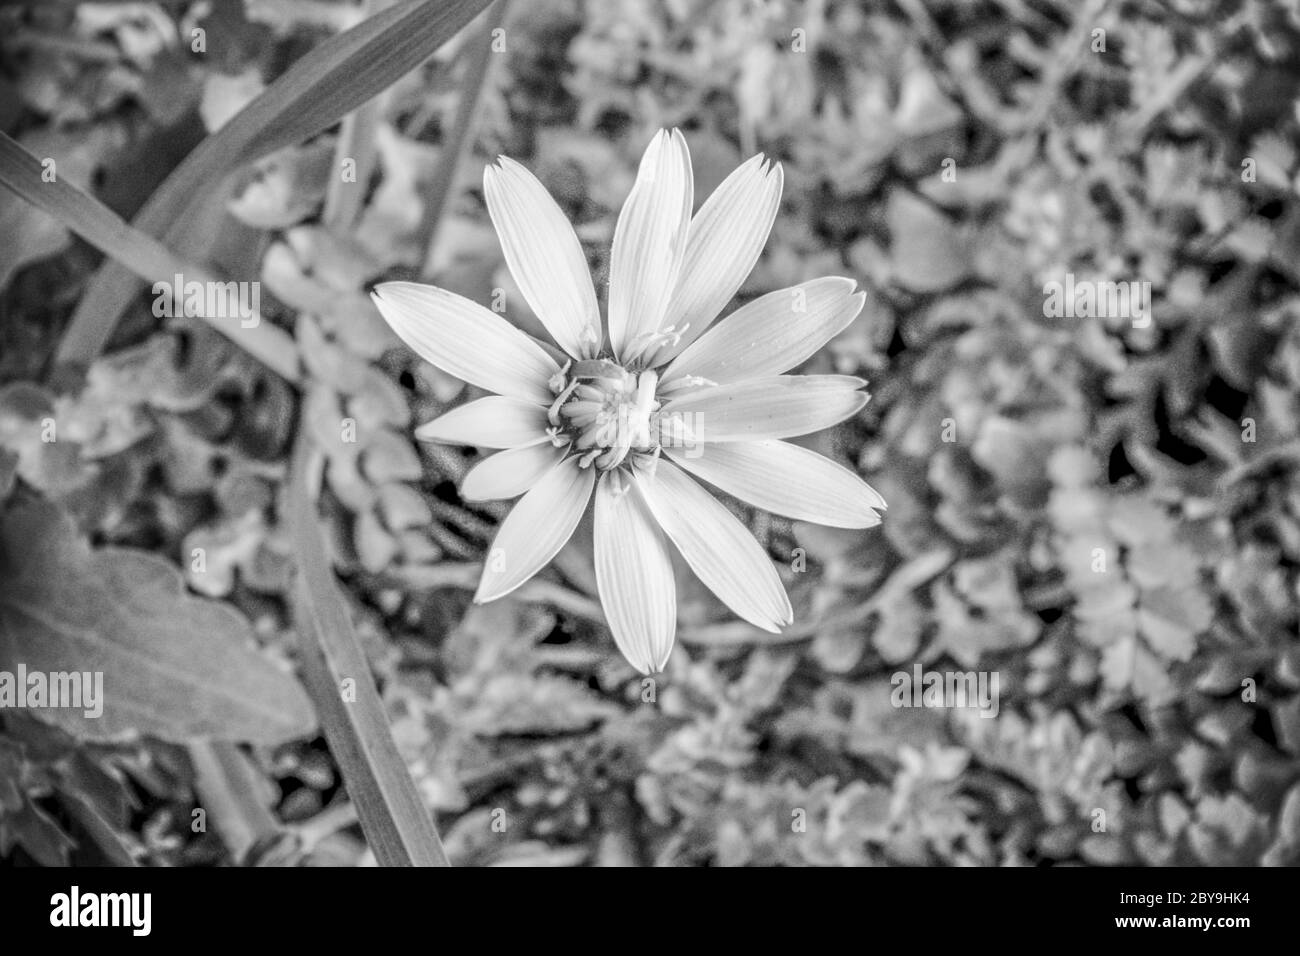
(628, 414)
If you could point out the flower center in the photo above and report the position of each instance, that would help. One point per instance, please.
(604, 412)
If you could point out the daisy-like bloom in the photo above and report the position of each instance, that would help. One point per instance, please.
(635, 409)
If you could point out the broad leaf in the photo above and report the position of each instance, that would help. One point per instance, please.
(174, 666)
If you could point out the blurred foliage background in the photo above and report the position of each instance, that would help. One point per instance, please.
(952, 157)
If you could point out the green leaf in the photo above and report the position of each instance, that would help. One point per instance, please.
(513, 703)
(174, 666)
(1170, 619)
(1126, 664)
(21, 172)
(392, 814)
(36, 832)
(928, 252)
(324, 85)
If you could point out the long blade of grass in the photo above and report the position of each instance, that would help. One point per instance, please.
(355, 142)
(458, 143)
(140, 254)
(325, 84)
(228, 786)
(398, 828)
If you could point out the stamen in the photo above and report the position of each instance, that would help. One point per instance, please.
(600, 370)
(606, 413)
(556, 382)
(613, 457)
(647, 343)
(553, 413)
(582, 413)
(686, 381)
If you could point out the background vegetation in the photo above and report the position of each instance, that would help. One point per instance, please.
(952, 157)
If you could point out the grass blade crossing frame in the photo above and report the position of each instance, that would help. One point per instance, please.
(398, 828)
(141, 254)
(331, 80)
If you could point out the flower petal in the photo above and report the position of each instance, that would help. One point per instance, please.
(726, 238)
(772, 334)
(544, 256)
(510, 473)
(786, 480)
(466, 340)
(536, 529)
(779, 406)
(634, 575)
(719, 549)
(492, 422)
(649, 241)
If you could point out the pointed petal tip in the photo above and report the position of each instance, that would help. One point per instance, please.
(646, 664)
(649, 668)
(677, 140)
(504, 164)
(869, 517)
(870, 520)
(849, 283)
(486, 595)
(782, 620)
(481, 592)
(642, 668)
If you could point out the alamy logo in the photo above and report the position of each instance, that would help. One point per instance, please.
(1088, 299)
(102, 909)
(943, 689)
(77, 690)
(209, 300)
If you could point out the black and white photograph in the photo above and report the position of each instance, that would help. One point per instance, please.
(651, 433)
